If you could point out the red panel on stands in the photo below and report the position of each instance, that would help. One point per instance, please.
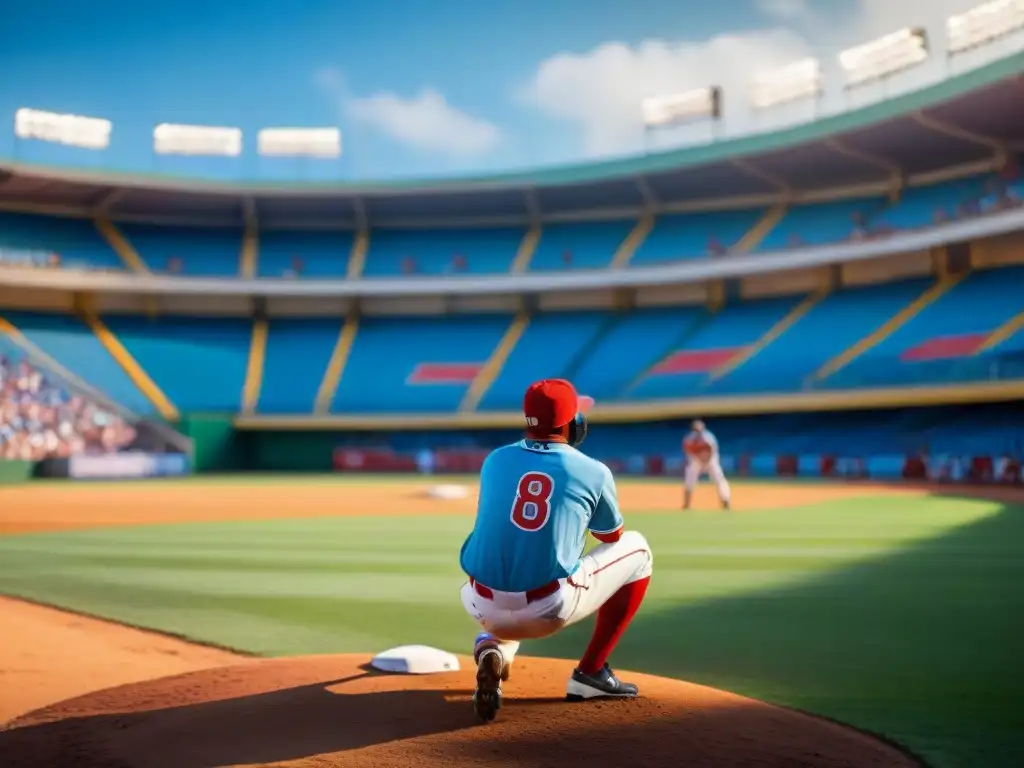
(695, 361)
(445, 373)
(944, 348)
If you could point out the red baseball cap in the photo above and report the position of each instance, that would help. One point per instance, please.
(553, 403)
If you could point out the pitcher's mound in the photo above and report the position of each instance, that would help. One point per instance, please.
(330, 711)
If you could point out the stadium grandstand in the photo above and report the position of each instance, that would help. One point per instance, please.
(853, 286)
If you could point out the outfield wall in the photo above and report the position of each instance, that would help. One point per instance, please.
(13, 471)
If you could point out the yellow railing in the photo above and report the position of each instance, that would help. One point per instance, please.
(357, 256)
(129, 364)
(633, 240)
(336, 365)
(757, 233)
(890, 326)
(490, 370)
(254, 370)
(524, 253)
(121, 245)
(1002, 333)
(783, 325)
(248, 258)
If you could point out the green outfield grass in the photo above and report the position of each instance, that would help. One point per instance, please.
(900, 615)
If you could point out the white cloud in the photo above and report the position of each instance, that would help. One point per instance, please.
(427, 122)
(599, 92)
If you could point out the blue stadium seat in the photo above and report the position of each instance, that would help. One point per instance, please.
(396, 363)
(322, 254)
(579, 246)
(202, 251)
(484, 251)
(687, 236)
(298, 350)
(77, 241)
(199, 362)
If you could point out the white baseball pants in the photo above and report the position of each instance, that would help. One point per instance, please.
(602, 573)
(695, 468)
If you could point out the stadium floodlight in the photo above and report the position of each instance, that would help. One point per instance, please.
(885, 56)
(685, 107)
(173, 139)
(799, 80)
(72, 130)
(983, 24)
(299, 142)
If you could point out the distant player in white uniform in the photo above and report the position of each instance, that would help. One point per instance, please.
(701, 450)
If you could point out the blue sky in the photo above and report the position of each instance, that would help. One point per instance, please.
(418, 88)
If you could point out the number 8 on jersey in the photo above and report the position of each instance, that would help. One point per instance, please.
(532, 507)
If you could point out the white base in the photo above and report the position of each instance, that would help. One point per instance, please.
(415, 660)
(448, 492)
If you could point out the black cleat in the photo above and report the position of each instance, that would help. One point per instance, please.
(489, 674)
(726, 505)
(601, 684)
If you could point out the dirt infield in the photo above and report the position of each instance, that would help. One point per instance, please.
(328, 711)
(30, 508)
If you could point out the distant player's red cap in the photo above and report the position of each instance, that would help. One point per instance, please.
(553, 403)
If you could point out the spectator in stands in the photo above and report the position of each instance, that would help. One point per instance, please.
(40, 420)
(715, 247)
(567, 259)
(408, 265)
(175, 266)
(860, 229)
(940, 216)
(795, 241)
(459, 263)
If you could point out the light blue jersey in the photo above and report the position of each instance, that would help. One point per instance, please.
(537, 502)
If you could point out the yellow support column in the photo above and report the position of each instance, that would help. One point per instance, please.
(122, 247)
(1002, 333)
(357, 256)
(769, 336)
(490, 370)
(248, 258)
(336, 365)
(129, 364)
(633, 241)
(757, 233)
(527, 247)
(890, 326)
(254, 370)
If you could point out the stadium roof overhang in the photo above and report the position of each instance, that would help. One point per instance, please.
(968, 123)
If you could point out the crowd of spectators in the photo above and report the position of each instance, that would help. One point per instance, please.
(24, 258)
(40, 419)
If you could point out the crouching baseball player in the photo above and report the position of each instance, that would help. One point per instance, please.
(528, 577)
(701, 449)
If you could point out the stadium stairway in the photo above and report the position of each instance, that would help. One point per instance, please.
(791, 318)
(527, 247)
(890, 326)
(160, 402)
(632, 242)
(336, 364)
(120, 244)
(254, 369)
(491, 369)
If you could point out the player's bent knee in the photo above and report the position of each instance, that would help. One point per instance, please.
(636, 541)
